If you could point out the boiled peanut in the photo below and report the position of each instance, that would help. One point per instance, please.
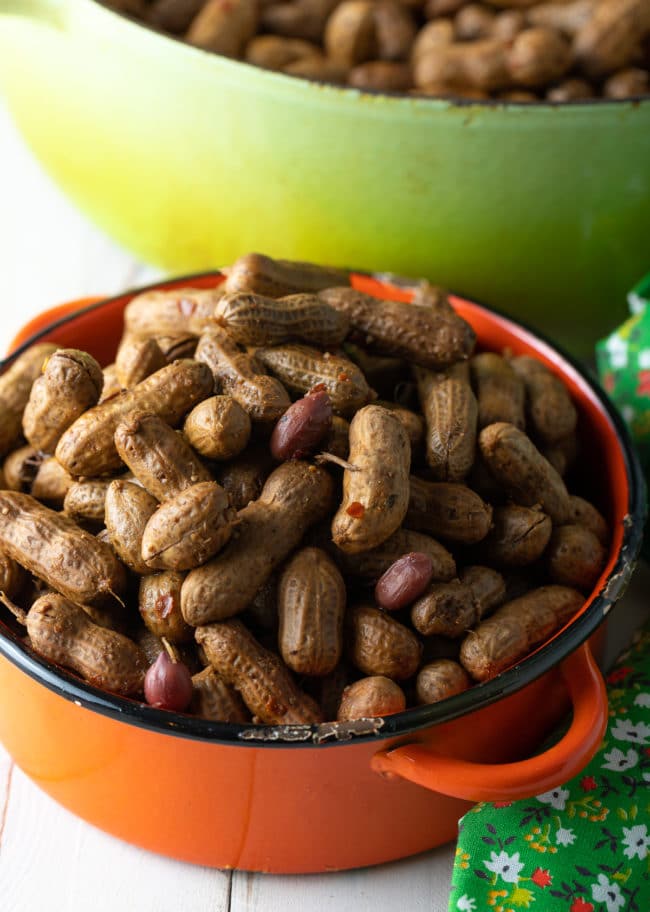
(562, 454)
(404, 581)
(479, 65)
(137, 358)
(380, 76)
(515, 628)
(85, 501)
(433, 35)
(127, 509)
(53, 548)
(176, 346)
(488, 588)
(224, 26)
(71, 382)
(263, 681)
(627, 83)
(274, 52)
(582, 513)
(262, 611)
(550, 410)
(295, 496)
(439, 680)
(160, 459)
(412, 423)
(311, 603)
(242, 377)
(62, 632)
(445, 609)
(450, 412)
(302, 369)
(575, 557)
(215, 700)
(253, 319)
(422, 335)
(395, 30)
(298, 19)
(350, 34)
(337, 440)
(111, 385)
(570, 90)
(218, 428)
(523, 472)
(278, 278)
(244, 479)
(371, 565)
(383, 374)
(12, 576)
(518, 537)
(88, 446)
(20, 468)
(319, 69)
(302, 427)
(51, 482)
(474, 21)
(371, 697)
(499, 390)
(15, 387)
(450, 511)
(538, 56)
(181, 310)
(567, 17)
(173, 15)
(189, 528)
(376, 486)
(159, 602)
(380, 645)
(328, 689)
(611, 38)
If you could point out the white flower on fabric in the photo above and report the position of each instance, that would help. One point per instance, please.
(642, 699)
(466, 904)
(643, 358)
(556, 798)
(626, 730)
(607, 892)
(506, 866)
(618, 760)
(617, 350)
(565, 837)
(636, 841)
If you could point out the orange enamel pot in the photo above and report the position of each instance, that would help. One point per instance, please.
(324, 798)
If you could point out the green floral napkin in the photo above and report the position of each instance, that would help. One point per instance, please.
(583, 847)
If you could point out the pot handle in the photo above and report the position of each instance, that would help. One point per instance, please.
(510, 781)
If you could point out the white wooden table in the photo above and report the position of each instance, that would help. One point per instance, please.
(48, 858)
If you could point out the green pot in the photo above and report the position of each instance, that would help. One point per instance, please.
(191, 159)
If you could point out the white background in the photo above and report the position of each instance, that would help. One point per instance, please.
(48, 858)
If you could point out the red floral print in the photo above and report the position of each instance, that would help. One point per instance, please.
(541, 877)
(588, 784)
(619, 674)
(581, 905)
(643, 389)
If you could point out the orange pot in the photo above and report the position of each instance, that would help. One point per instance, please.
(321, 798)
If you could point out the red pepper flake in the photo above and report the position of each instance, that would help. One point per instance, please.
(186, 307)
(164, 605)
(356, 510)
(319, 388)
(343, 376)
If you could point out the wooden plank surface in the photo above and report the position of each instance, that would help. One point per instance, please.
(48, 858)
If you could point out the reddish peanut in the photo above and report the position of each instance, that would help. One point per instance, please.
(523, 472)
(295, 496)
(253, 319)
(515, 628)
(262, 275)
(439, 680)
(263, 681)
(62, 632)
(127, 510)
(189, 528)
(450, 511)
(380, 645)
(168, 684)
(302, 427)
(311, 603)
(15, 387)
(183, 310)
(159, 603)
(426, 336)
(218, 428)
(213, 699)
(499, 390)
(56, 550)
(550, 410)
(303, 369)
(88, 446)
(371, 697)
(160, 459)
(450, 412)
(369, 566)
(71, 382)
(404, 581)
(575, 557)
(376, 485)
(241, 376)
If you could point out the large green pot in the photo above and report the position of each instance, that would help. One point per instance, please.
(191, 159)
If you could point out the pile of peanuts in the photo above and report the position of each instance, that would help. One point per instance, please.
(513, 50)
(289, 501)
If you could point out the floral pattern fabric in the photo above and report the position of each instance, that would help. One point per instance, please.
(582, 847)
